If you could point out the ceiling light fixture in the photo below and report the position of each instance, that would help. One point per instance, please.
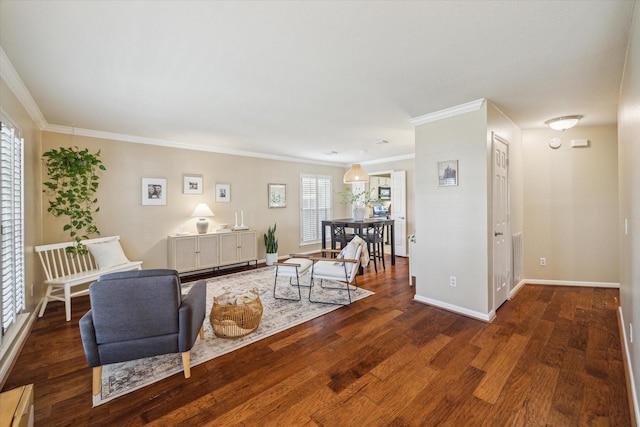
(563, 123)
(355, 174)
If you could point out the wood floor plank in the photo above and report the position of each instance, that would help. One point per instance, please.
(551, 357)
(499, 369)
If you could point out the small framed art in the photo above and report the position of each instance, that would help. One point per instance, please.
(448, 173)
(154, 191)
(277, 195)
(223, 193)
(192, 184)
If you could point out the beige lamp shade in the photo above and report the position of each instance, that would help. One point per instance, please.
(355, 174)
(201, 211)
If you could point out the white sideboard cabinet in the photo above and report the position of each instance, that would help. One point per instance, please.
(211, 250)
(238, 246)
(193, 252)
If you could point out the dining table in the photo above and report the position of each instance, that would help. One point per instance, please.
(359, 226)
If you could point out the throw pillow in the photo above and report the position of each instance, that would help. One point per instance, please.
(107, 254)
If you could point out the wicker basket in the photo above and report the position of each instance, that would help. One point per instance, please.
(235, 320)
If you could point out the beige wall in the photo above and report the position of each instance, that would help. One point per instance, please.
(571, 205)
(144, 229)
(451, 222)
(629, 195)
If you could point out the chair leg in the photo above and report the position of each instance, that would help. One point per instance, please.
(373, 255)
(96, 386)
(186, 364)
(297, 283)
(46, 300)
(202, 332)
(67, 301)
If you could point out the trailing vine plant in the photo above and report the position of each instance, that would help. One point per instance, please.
(72, 184)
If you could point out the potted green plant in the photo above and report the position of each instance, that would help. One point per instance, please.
(360, 201)
(73, 182)
(271, 245)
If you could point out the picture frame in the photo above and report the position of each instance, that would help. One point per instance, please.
(223, 193)
(447, 173)
(154, 191)
(192, 184)
(277, 194)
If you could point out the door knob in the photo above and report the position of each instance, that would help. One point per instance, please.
(497, 233)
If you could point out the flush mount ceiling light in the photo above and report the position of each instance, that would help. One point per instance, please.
(563, 123)
(355, 174)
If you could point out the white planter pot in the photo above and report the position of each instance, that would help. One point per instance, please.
(358, 213)
(271, 259)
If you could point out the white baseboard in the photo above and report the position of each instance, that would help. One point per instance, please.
(486, 317)
(628, 368)
(571, 283)
(517, 288)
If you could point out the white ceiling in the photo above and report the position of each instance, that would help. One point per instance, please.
(303, 78)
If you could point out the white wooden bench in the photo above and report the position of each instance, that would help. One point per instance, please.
(63, 271)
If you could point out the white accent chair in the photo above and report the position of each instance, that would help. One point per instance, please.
(292, 268)
(343, 269)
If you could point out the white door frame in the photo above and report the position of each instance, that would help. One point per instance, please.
(399, 215)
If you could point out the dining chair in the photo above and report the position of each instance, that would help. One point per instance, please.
(374, 236)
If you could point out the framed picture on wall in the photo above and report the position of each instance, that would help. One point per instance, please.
(277, 195)
(192, 184)
(154, 191)
(447, 173)
(223, 193)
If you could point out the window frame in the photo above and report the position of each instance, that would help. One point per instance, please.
(12, 259)
(315, 206)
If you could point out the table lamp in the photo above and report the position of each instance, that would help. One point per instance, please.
(201, 211)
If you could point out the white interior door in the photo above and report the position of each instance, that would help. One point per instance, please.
(399, 210)
(501, 271)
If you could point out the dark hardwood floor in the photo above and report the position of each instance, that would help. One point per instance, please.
(552, 357)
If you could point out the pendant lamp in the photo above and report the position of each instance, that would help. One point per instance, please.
(355, 174)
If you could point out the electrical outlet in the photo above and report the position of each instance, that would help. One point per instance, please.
(452, 281)
(543, 261)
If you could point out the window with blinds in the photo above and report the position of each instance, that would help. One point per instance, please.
(315, 206)
(12, 224)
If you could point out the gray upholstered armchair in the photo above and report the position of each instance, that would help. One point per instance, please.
(138, 314)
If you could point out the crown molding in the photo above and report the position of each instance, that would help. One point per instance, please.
(384, 160)
(175, 144)
(15, 83)
(448, 112)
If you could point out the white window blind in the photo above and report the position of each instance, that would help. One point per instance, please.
(12, 223)
(315, 206)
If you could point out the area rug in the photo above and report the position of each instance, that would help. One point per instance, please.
(278, 315)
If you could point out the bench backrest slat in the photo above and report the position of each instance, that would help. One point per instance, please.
(57, 263)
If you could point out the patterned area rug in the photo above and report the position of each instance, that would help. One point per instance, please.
(122, 378)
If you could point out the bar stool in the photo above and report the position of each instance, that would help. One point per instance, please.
(339, 234)
(374, 236)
